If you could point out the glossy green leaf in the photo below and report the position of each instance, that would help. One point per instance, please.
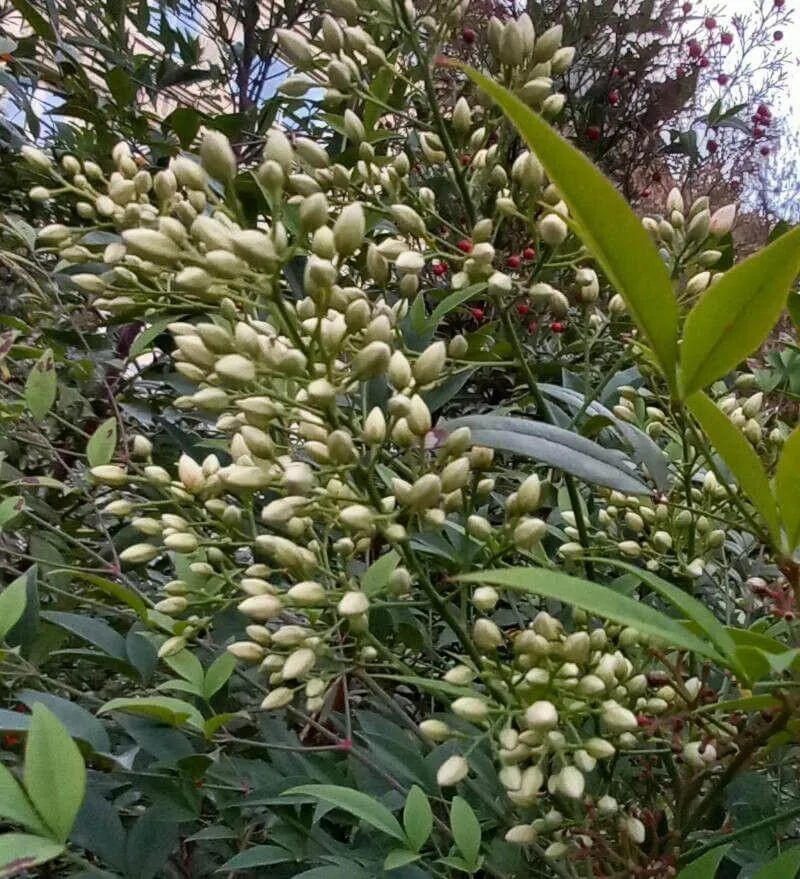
(10, 508)
(690, 607)
(704, 867)
(12, 604)
(50, 754)
(785, 866)
(218, 674)
(555, 446)
(466, 829)
(175, 712)
(258, 856)
(598, 600)
(21, 851)
(787, 489)
(102, 443)
(356, 803)
(607, 225)
(737, 313)
(376, 578)
(739, 455)
(15, 807)
(40, 387)
(399, 858)
(417, 818)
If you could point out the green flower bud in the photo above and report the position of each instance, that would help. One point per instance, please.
(139, 553)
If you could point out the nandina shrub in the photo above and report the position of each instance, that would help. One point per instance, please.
(363, 623)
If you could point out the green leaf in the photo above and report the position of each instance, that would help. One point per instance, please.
(12, 604)
(188, 666)
(399, 858)
(417, 818)
(452, 301)
(55, 776)
(101, 445)
(692, 609)
(10, 508)
(737, 313)
(608, 226)
(356, 803)
(258, 856)
(741, 458)
(379, 89)
(21, 851)
(77, 721)
(218, 673)
(185, 122)
(785, 866)
(15, 806)
(121, 86)
(147, 336)
(37, 21)
(787, 488)
(554, 446)
(174, 712)
(376, 578)
(40, 387)
(466, 829)
(115, 590)
(704, 867)
(95, 631)
(598, 600)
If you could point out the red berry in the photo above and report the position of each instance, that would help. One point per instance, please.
(727, 38)
(593, 132)
(712, 146)
(523, 309)
(613, 97)
(695, 49)
(778, 4)
(758, 132)
(680, 72)
(493, 137)
(533, 326)
(763, 110)
(704, 62)
(514, 261)
(644, 193)
(439, 269)
(465, 245)
(764, 151)
(468, 35)
(777, 36)
(615, 71)
(710, 23)
(722, 79)
(465, 159)
(557, 326)
(686, 8)
(478, 314)
(528, 254)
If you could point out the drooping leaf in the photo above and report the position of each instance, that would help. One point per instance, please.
(174, 712)
(52, 756)
(15, 807)
(258, 856)
(608, 226)
(693, 610)
(362, 806)
(554, 446)
(40, 387)
(417, 818)
(787, 488)
(12, 604)
(785, 866)
(741, 458)
(736, 314)
(101, 445)
(704, 867)
(21, 851)
(598, 600)
(466, 829)
(95, 631)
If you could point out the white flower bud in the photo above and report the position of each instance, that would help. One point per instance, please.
(553, 230)
(552, 107)
(452, 771)
(521, 834)
(298, 664)
(172, 646)
(418, 416)
(722, 220)
(353, 604)
(190, 473)
(617, 718)
(571, 782)
(217, 156)
(548, 43)
(435, 730)
(485, 598)
(428, 366)
(529, 532)
(295, 47)
(486, 635)
(109, 474)
(634, 829)
(181, 542)
(261, 607)
(407, 220)
(470, 708)
(607, 805)
(139, 553)
(277, 698)
(562, 59)
(348, 230)
(462, 117)
(353, 127)
(542, 715)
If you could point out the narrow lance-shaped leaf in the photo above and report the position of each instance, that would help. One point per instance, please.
(740, 457)
(785, 866)
(599, 601)
(736, 314)
(787, 489)
(40, 387)
(606, 223)
(12, 605)
(704, 867)
(101, 445)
